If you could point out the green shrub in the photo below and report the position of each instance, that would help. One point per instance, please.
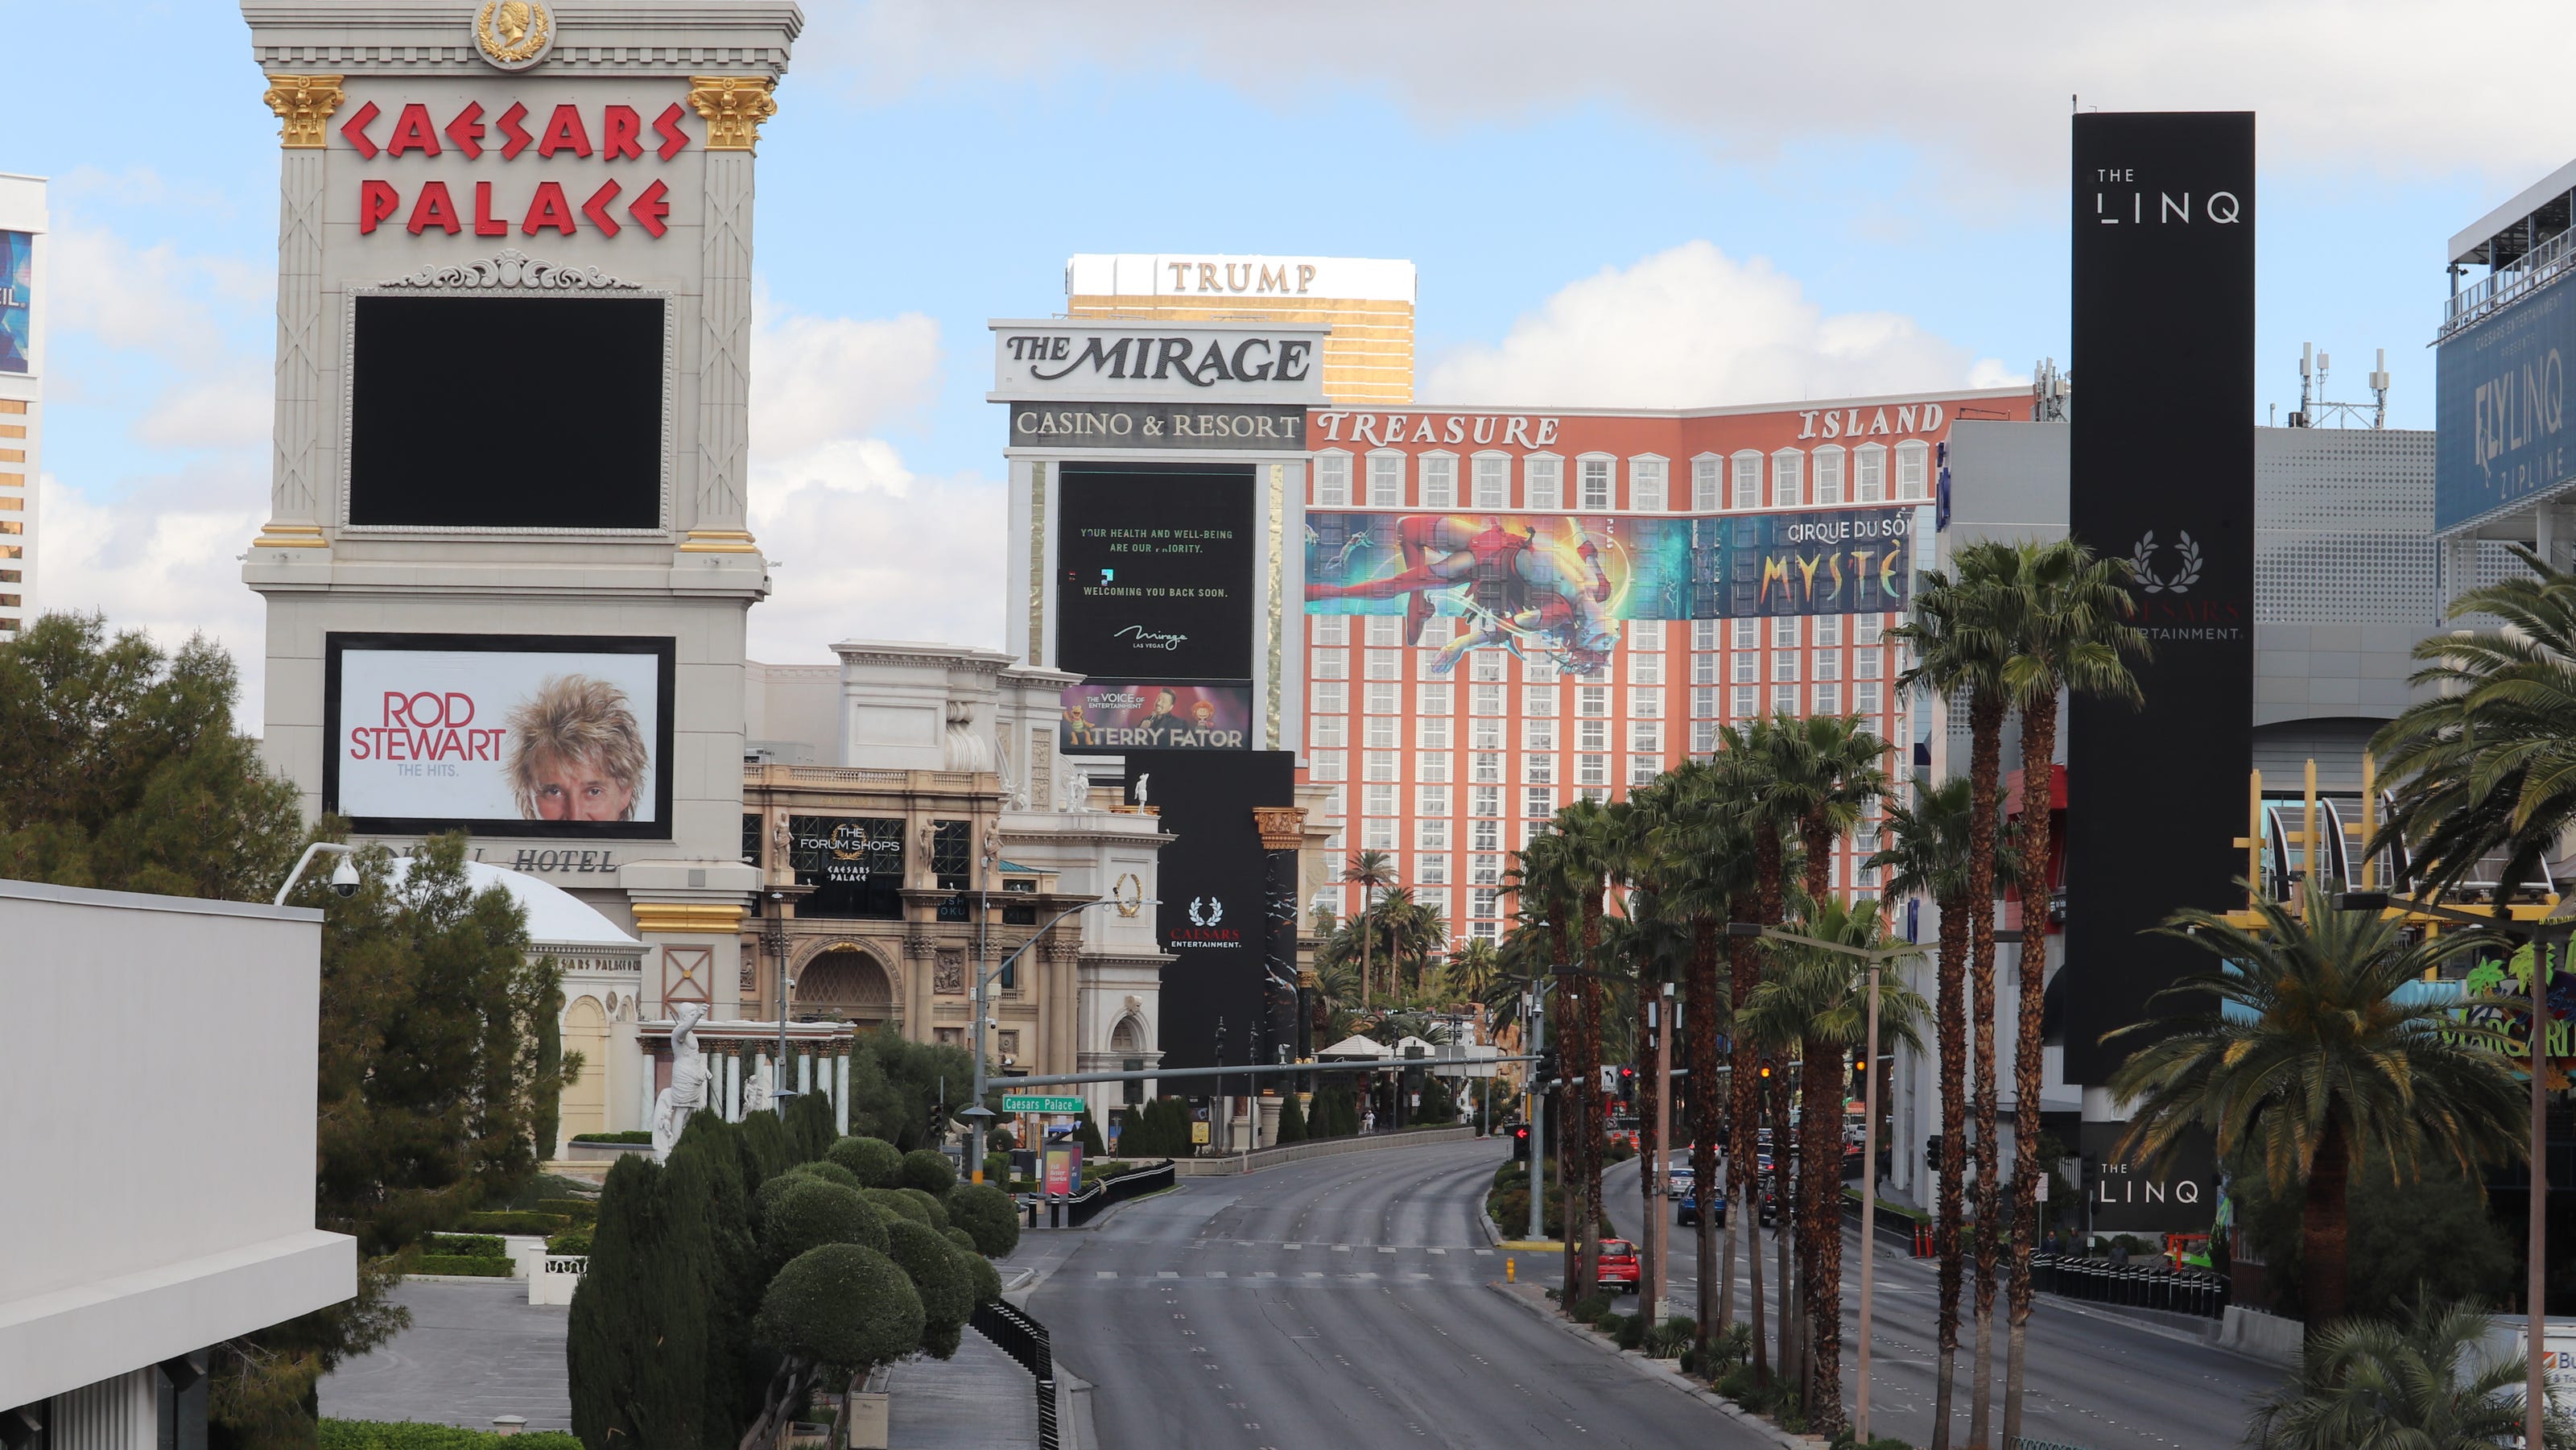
(471, 1246)
(411, 1435)
(939, 1275)
(513, 1221)
(631, 1135)
(809, 1212)
(829, 1172)
(894, 1204)
(1631, 1331)
(1609, 1323)
(997, 1167)
(576, 1210)
(988, 1280)
(932, 1213)
(962, 1239)
(1292, 1119)
(843, 1306)
(1590, 1309)
(809, 1127)
(472, 1267)
(927, 1169)
(570, 1241)
(874, 1160)
(988, 1215)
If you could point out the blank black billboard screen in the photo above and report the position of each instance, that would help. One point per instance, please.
(506, 412)
(2162, 475)
(1154, 571)
(1212, 918)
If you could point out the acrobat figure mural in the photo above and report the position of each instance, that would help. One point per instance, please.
(1522, 584)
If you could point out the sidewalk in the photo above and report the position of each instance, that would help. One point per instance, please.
(980, 1400)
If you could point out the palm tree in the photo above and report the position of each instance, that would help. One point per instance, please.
(1595, 857)
(1820, 999)
(1369, 870)
(2308, 1054)
(2070, 614)
(1959, 636)
(1828, 768)
(1476, 973)
(1927, 855)
(1548, 878)
(2424, 1382)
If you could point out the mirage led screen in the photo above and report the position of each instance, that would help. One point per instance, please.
(1154, 576)
(503, 735)
(506, 412)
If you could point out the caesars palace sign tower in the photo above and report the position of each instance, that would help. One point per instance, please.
(506, 561)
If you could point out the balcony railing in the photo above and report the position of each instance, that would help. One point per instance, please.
(2536, 268)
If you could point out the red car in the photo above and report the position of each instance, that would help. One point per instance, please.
(1618, 1264)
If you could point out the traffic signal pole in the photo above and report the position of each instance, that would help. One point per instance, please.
(1656, 1223)
(1538, 1119)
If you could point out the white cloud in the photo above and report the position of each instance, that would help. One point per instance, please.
(164, 557)
(1693, 327)
(236, 410)
(863, 547)
(151, 299)
(2405, 85)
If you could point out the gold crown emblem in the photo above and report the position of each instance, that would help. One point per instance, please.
(513, 33)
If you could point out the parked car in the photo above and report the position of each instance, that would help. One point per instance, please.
(1618, 1265)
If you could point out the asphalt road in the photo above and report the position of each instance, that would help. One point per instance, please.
(1340, 1302)
(2092, 1379)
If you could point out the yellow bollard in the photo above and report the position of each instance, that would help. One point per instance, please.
(1511, 1271)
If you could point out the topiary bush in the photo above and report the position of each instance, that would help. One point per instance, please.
(928, 1170)
(988, 1214)
(875, 1161)
(961, 1238)
(472, 1246)
(808, 1212)
(579, 1210)
(844, 1306)
(829, 1172)
(570, 1241)
(988, 1280)
(931, 1212)
(894, 1203)
(939, 1275)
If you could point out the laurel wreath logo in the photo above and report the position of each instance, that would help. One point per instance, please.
(2186, 569)
(1215, 911)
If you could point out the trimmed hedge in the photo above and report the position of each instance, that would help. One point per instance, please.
(876, 1161)
(477, 1268)
(411, 1435)
(829, 1172)
(843, 1306)
(928, 1170)
(570, 1241)
(578, 1210)
(988, 1214)
(810, 1212)
(472, 1246)
(514, 1221)
(940, 1277)
(631, 1135)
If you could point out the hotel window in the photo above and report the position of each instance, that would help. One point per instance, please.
(1485, 871)
(1599, 795)
(1437, 700)
(1646, 669)
(1646, 704)
(1377, 800)
(1829, 664)
(1645, 636)
(1591, 734)
(1377, 833)
(1484, 800)
(1646, 736)
(1332, 664)
(1438, 630)
(1439, 480)
(1483, 903)
(1592, 770)
(1538, 769)
(1646, 484)
(1328, 765)
(1708, 489)
(1431, 834)
(1748, 480)
(1707, 669)
(1829, 631)
(1784, 664)
(1642, 769)
(1486, 732)
(1328, 629)
(1748, 633)
(1326, 730)
(1487, 767)
(1539, 670)
(1385, 732)
(1485, 931)
(1537, 801)
(1865, 699)
(1747, 701)
(1489, 664)
(1432, 765)
(1332, 479)
(1546, 487)
(1431, 800)
(1708, 633)
(1910, 458)
(1380, 765)
(1866, 628)
(1869, 473)
(1784, 700)
(1386, 664)
(1829, 474)
(1704, 702)
(1538, 735)
(1703, 737)
(1538, 700)
(1386, 479)
(1381, 700)
(1784, 632)
(1788, 478)
(1599, 482)
(1748, 666)
(1829, 699)
(1493, 480)
(1592, 700)
(1331, 699)
(1385, 629)
(1865, 664)
(1436, 902)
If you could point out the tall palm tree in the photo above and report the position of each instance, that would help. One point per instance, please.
(1958, 633)
(1476, 973)
(2070, 615)
(1369, 870)
(1596, 855)
(2309, 1055)
(2426, 1382)
(1765, 817)
(1927, 855)
(1820, 999)
(1548, 878)
(1829, 767)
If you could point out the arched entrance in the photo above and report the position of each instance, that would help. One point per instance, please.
(1128, 1038)
(584, 1105)
(848, 983)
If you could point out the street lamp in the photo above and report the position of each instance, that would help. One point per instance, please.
(978, 1114)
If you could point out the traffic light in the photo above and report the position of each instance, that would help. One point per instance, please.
(1520, 1142)
(1628, 1086)
(1547, 1073)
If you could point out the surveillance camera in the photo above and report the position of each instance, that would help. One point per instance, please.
(344, 879)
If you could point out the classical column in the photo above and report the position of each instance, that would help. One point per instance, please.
(734, 107)
(302, 104)
(1285, 993)
(841, 1095)
(733, 1087)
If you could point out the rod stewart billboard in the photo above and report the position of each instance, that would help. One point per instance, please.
(2162, 475)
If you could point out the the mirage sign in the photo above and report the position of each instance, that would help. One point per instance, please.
(1274, 362)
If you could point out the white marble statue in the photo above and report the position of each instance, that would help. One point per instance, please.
(756, 1096)
(689, 1079)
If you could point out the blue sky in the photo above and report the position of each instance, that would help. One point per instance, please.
(1745, 211)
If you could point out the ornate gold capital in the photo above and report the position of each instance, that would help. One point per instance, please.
(303, 104)
(1282, 828)
(734, 107)
(688, 918)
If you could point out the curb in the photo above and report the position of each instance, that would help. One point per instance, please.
(1073, 1410)
(1656, 1369)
